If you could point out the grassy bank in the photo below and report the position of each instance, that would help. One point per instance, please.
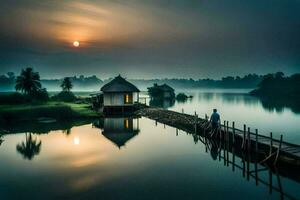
(55, 110)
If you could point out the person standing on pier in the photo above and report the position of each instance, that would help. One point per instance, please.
(215, 120)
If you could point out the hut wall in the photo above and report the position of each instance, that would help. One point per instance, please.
(117, 99)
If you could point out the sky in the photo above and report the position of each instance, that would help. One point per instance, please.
(150, 38)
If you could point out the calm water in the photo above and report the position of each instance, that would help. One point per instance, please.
(236, 105)
(125, 158)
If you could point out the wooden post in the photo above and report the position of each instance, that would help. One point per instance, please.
(224, 153)
(248, 166)
(224, 135)
(256, 173)
(182, 110)
(176, 131)
(249, 141)
(278, 150)
(196, 120)
(227, 143)
(271, 143)
(233, 133)
(256, 151)
(205, 140)
(227, 130)
(243, 160)
(233, 158)
(256, 140)
(244, 136)
(270, 181)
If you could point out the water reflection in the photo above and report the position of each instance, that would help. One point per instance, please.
(88, 165)
(67, 131)
(249, 164)
(119, 130)
(266, 115)
(162, 103)
(1, 140)
(30, 147)
(41, 128)
(278, 104)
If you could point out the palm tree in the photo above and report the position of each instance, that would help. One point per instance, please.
(30, 147)
(66, 85)
(28, 81)
(1, 140)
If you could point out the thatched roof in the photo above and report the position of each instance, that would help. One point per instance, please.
(119, 84)
(120, 139)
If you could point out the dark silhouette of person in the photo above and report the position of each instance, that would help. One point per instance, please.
(215, 119)
(214, 150)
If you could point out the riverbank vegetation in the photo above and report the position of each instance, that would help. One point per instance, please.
(33, 103)
(181, 97)
(54, 110)
(92, 83)
(279, 86)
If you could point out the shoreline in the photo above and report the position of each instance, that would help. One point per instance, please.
(46, 112)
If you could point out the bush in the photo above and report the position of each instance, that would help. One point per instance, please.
(40, 95)
(65, 96)
(59, 112)
(13, 98)
(181, 97)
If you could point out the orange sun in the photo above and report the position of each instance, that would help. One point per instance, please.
(76, 43)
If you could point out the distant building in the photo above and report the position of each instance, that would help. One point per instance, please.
(161, 91)
(119, 95)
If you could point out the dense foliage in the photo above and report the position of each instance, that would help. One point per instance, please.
(155, 91)
(81, 82)
(181, 97)
(279, 85)
(28, 82)
(64, 96)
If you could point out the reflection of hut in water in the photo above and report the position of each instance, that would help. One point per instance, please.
(120, 130)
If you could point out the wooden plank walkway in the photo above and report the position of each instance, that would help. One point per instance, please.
(233, 144)
(245, 139)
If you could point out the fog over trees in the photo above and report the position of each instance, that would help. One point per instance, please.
(93, 83)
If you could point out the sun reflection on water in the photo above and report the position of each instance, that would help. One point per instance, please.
(76, 140)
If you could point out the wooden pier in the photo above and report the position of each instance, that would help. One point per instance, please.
(256, 153)
(269, 149)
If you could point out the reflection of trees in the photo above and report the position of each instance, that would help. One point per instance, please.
(206, 96)
(236, 98)
(30, 147)
(162, 103)
(67, 131)
(278, 104)
(1, 140)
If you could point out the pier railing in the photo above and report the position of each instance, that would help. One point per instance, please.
(244, 139)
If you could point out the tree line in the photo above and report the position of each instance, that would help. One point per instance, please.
(28, 83)
(279, 85)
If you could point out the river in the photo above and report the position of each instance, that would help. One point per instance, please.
(136, 158)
